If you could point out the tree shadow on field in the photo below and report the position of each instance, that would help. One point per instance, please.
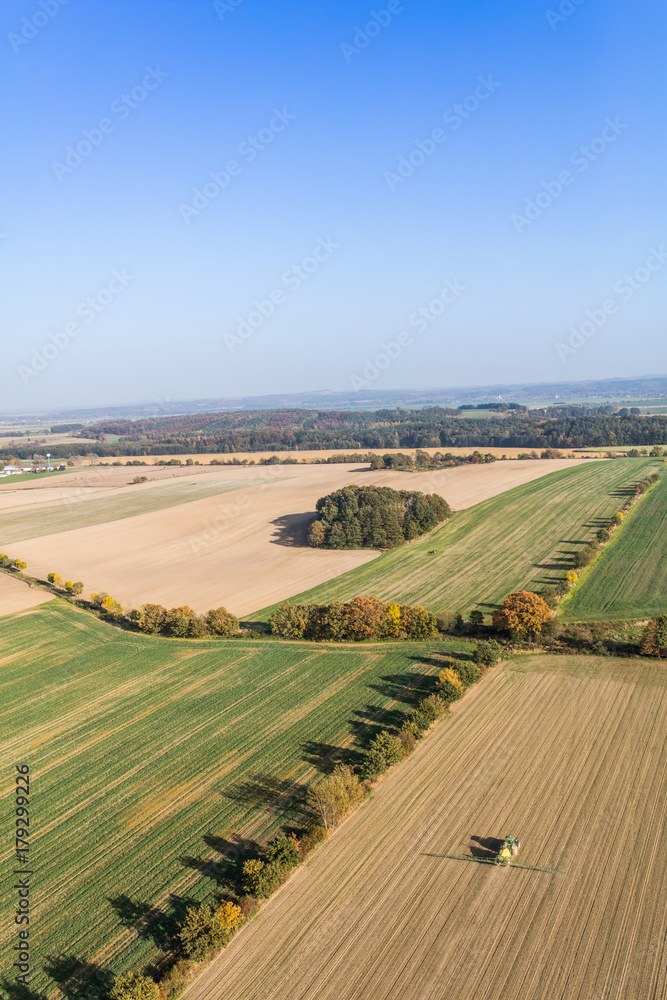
(268, 792)
(77, 978)
(233, 851)
(292, 529)
(406, 688)
(149, 922)
(18, 991)
(488, 847)
(325, 756)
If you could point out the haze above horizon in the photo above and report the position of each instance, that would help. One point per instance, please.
(245, 198)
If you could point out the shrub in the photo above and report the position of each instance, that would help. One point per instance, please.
(365, 618)
(179, 621)
(408, 739)
(314, 835)
(261, 878)
(433, 707)
(417, 623)
(487, 654)
(20, 564)
(284, 851)
(111, 608)
(603, 535)
(619, 517)
(75, 588)
(550, 596)
(468, 672)
(56, 580)
(450, 686)
(327, 621)
(220, 621)
(289, 621)
(585, 556)
(654, 637)
(522, 612)
(151, 618)
(332, 798)
(571, 577)
(134, 986)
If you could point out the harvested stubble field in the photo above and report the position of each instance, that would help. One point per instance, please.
(520, 539)
(192, 541)
(568, 754)
(629, 580)
(148, 756)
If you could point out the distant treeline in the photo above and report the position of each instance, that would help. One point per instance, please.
(301, 430)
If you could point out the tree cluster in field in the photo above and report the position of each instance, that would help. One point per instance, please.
(354, 431)
(374, 517)
(184, 623)
(357, 620)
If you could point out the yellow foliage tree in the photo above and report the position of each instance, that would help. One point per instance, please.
(450, 686)
(394, 623)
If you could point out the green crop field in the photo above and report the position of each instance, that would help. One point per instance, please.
(149, 756)
(520, 539)
(48, 519)
(629, 580)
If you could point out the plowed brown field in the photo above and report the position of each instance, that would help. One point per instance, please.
(232, 536)
(568, 754)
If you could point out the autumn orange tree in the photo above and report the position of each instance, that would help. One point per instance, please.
(522, 612)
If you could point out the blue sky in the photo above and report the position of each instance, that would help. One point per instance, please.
(311, 255)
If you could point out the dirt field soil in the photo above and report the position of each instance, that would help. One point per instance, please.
(569, 755)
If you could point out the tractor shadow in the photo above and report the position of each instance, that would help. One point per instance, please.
(486, 847)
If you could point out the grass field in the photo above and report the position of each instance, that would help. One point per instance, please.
(568, 754)
(148, 756)
(520, 539)
(629, 580)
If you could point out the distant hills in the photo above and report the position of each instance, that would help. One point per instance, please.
(614, 390)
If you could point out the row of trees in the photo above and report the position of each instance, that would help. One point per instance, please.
(8, 563)
(357, 620)
(184, 623)
(375, 517)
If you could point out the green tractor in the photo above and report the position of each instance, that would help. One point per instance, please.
(509, 850)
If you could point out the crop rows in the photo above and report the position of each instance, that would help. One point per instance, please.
(566, 753)
(148, 754)
(629, 580)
